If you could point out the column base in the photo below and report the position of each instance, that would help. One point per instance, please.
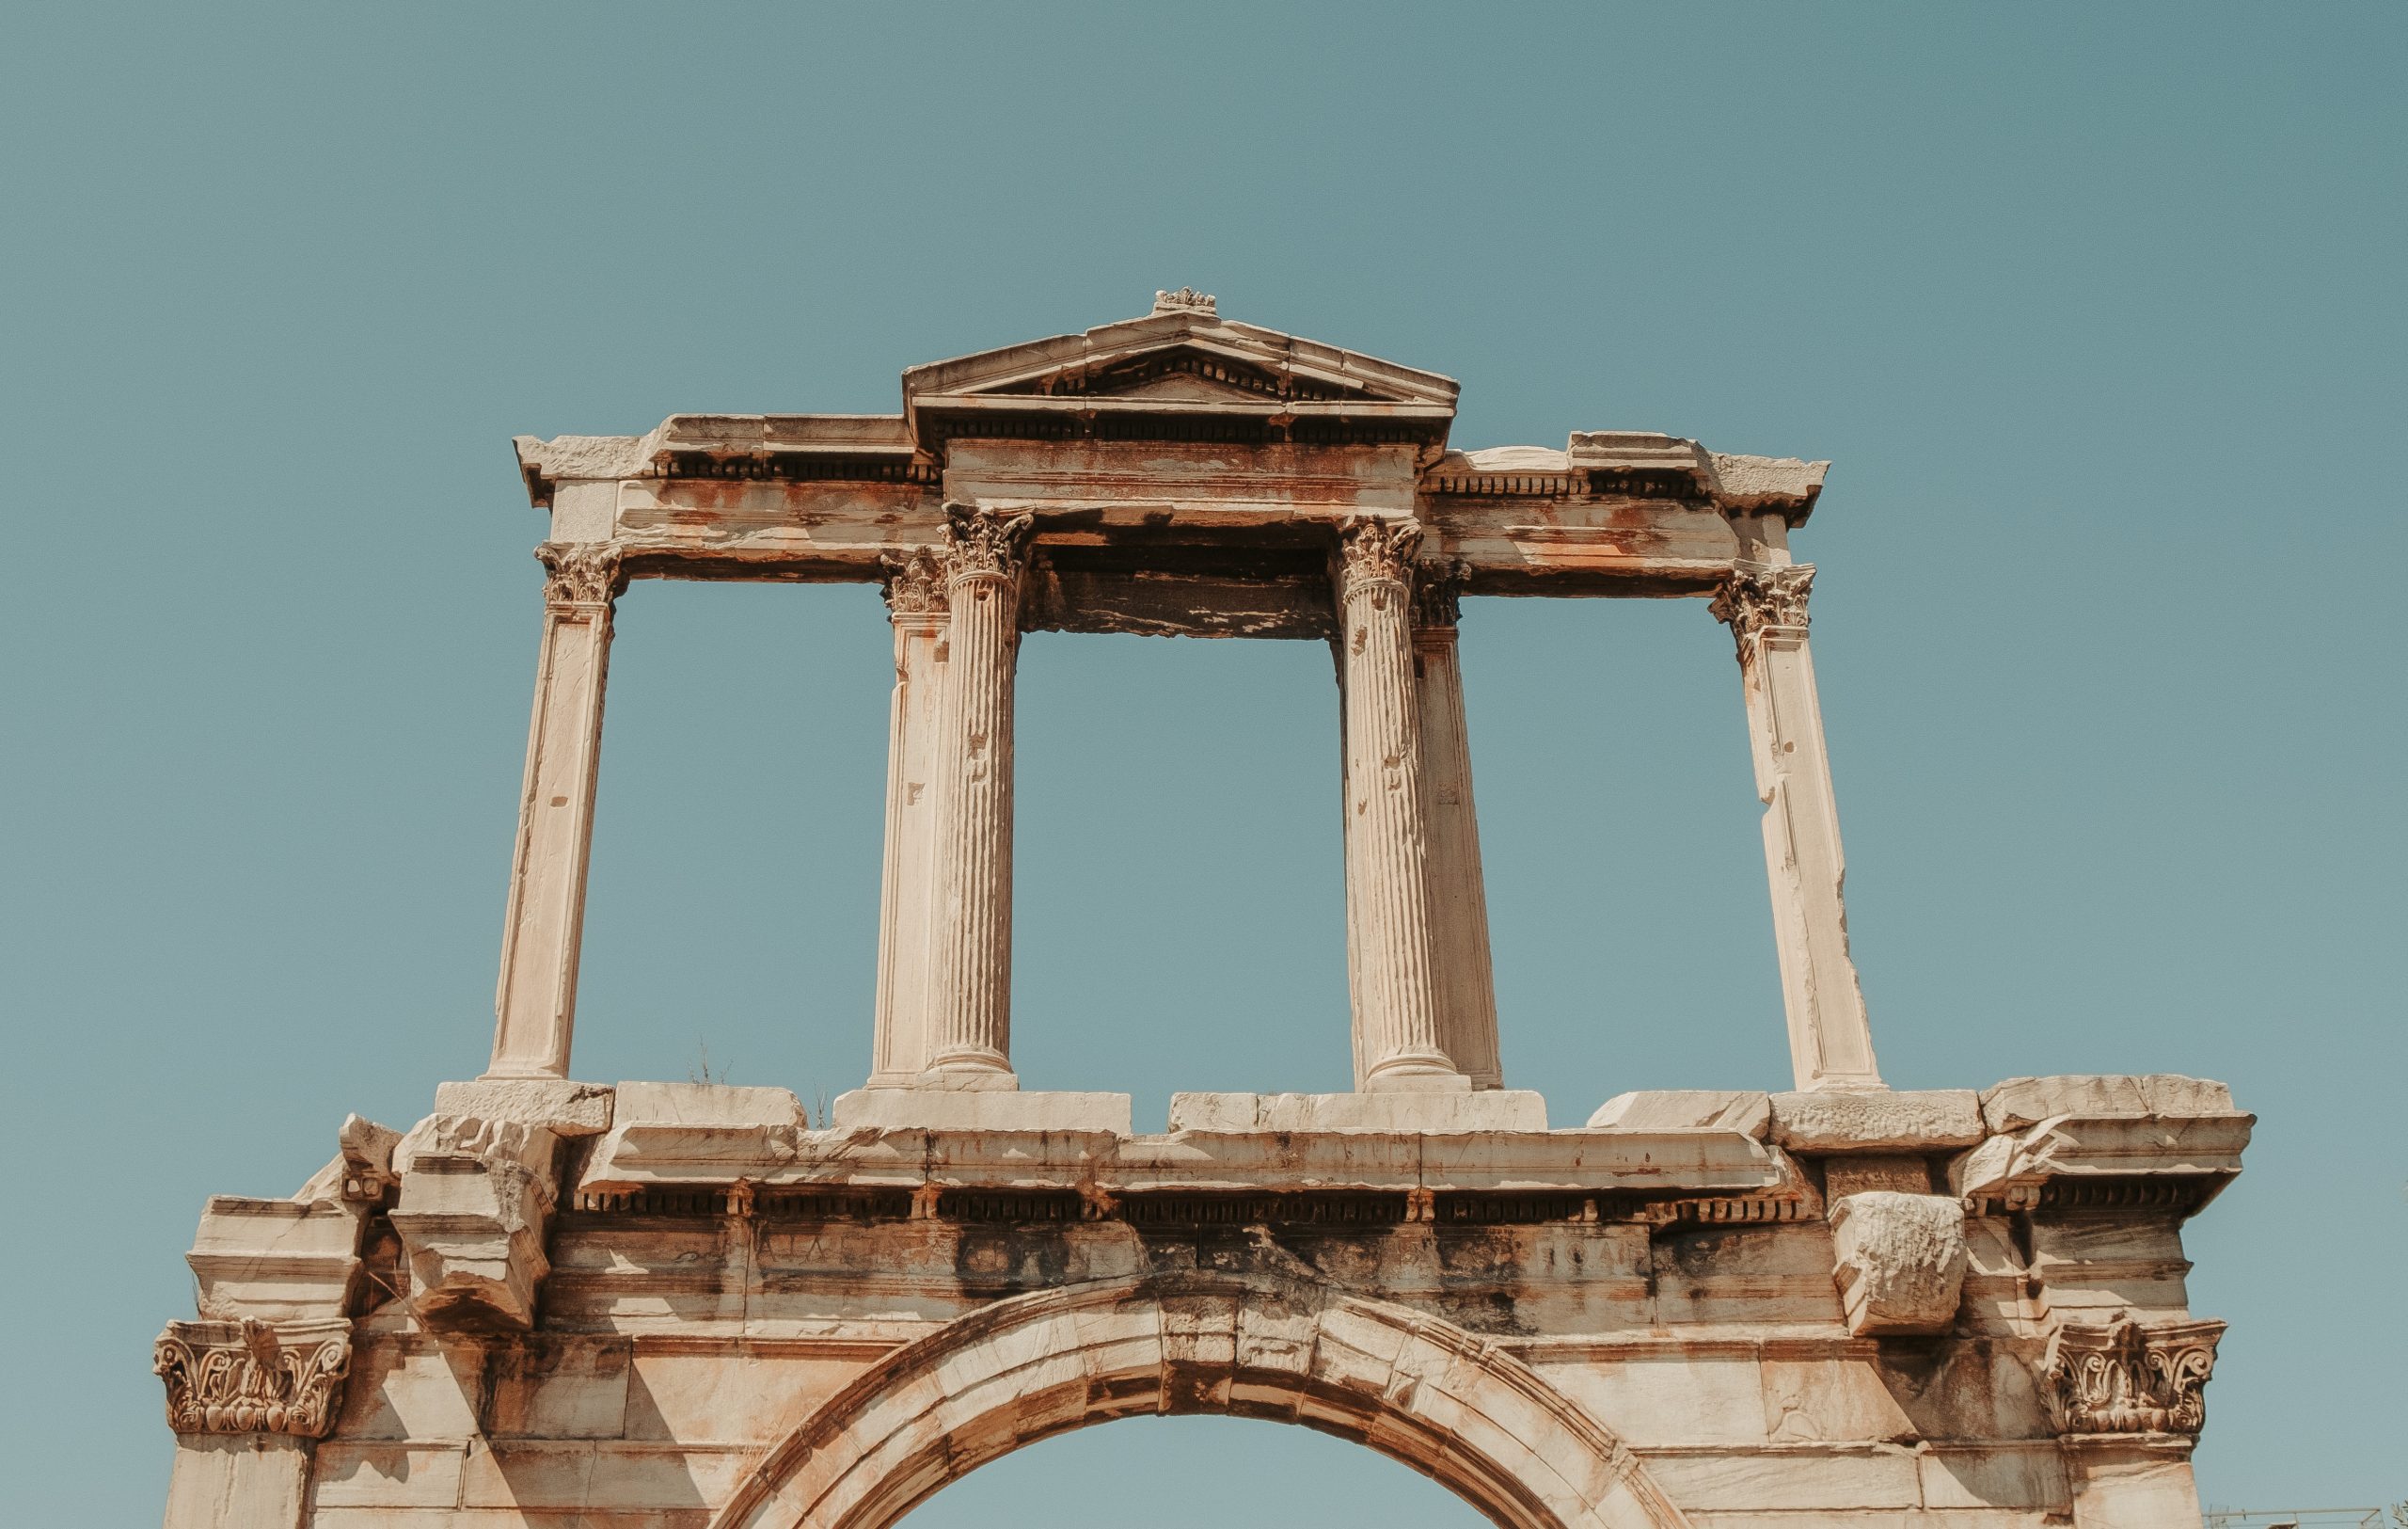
(979, 1110)
(1458, 1111)
(966, 1077)
(1417, 1079)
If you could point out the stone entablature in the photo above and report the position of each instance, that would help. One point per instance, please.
(688, 1306)
(723, 1295)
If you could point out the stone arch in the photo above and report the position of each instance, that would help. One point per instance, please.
(1422, 1391)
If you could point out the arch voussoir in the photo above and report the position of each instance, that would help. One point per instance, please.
(1438, 1399)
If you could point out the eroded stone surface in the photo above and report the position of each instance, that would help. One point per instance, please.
(1486, 1109)
(737, 1315)
(2086, 1158)
(563, 1108)
(1901, 1260)
(1729, 1109)
(476, 1198)
(707, 1104)
(2021, 1103)
(1930, 1120)
(276, 1260)
(979, 1110)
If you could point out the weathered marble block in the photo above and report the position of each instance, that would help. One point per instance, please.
(2021, 1103)
(979, 1110)
(563, 1108)
(475, 1200)
(276, 1260)
(1901, 1260)
(1932, 1119)
(1486, 1109)
(1729, 1109)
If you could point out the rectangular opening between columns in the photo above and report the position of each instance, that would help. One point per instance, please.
(1179, 890)
(1629, 922)
(734, 895)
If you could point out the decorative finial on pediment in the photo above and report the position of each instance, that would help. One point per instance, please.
(1186, 300)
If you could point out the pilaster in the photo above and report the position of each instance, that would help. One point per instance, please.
(535, 1001)
(1830, 1045)
(1463, 978)
(2131, 1399)
(915, 602)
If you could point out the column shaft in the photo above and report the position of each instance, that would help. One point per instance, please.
(535, 1001)
(970, 1021)
(1397, 1043)
(1829, 1042)
(915, 603)
(1465, 983)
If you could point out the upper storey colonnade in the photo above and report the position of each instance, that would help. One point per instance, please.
(1181, 474)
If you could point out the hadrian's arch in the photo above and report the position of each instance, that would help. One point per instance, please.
(652, 1305)
(1418, 1389)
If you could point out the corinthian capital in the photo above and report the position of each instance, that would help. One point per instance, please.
(985, 542)
(914, 585)
(249, 1376)
(1437, 593)
(1756, 597)
(2124, 1378)
(1372, 549)
(580, 573)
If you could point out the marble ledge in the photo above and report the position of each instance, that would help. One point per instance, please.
(636, 1157)
(2007, 1146)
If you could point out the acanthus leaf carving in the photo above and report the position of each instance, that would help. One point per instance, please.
(2125, 1378)
(253, 1376)
(1372, 549)
(986, 542)
(1757, 597)
(1437, 593)
(1186, 300)
(580, 573)
(914, 584)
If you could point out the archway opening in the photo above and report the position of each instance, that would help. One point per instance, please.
(1194, 1473)
(1022, 1370)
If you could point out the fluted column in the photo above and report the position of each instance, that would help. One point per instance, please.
(535, 1003)
(1830, 1045)
(1464, 981)
(970, 1018)
(1397, 1043)
(915, 605)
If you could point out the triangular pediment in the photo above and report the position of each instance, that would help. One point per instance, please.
(1178, 373)
(1179, 354)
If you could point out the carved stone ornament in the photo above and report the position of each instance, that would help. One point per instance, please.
(1754, 598)
(1372, 549)
(982, 542)
(1437, 593)
(249, 1376)
(580, 573)
(2124, 1378)
(914, 584)
(1186, 300)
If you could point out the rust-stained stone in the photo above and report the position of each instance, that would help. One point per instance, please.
(695, 1306)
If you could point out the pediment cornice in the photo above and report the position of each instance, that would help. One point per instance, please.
(1182, 360)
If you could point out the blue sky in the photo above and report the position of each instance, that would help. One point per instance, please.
(2097, 309)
